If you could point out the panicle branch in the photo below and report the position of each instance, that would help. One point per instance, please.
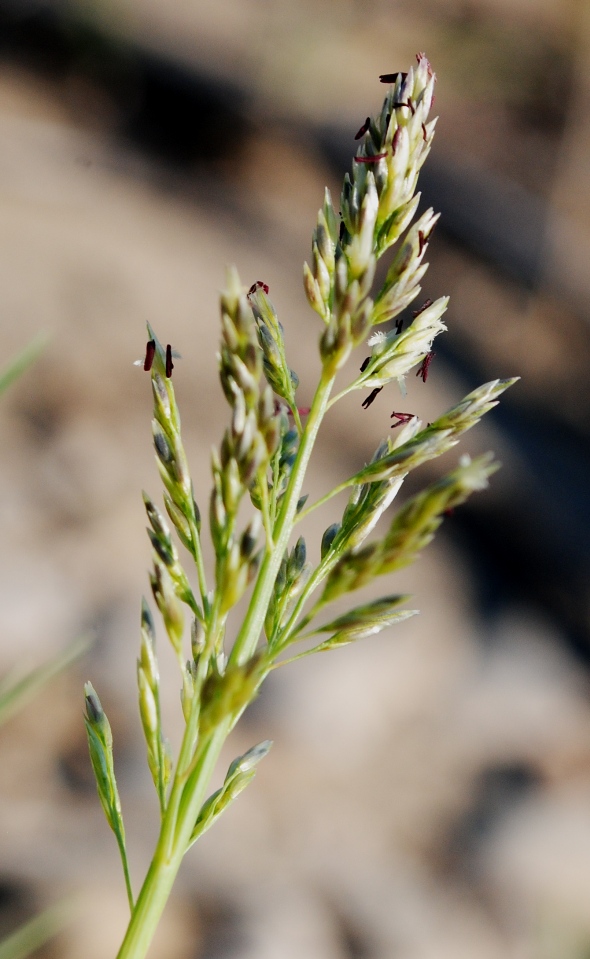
(378, 203)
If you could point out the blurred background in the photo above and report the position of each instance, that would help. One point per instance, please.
(428, 794)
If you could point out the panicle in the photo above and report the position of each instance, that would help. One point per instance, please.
(148, 682)
(166, 553)
(395, 354)
(170, 456)
(415, 446)
(249, 347)
(364, 621)
(264, 452)
(378, 203)
(282, 380)
(252, 364)
(411, 530)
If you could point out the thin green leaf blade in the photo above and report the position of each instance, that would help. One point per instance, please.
(19, 363)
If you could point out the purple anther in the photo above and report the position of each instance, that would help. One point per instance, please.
(424, 306)
(259, 285)
(371, 397)
(424, 366)
(169, 363)
(150, 352)
(363, 129)
(401, 418)
(373, 159)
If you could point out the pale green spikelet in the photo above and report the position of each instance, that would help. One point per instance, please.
(169, 605)
(240, 773)
(148, 682)
(100, 745)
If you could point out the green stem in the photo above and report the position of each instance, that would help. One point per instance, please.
(289, 631)
(357, 384)
(161, 788)
(122, 849)
(266, 516)
(296, 418)
(189, 755)
(275, 483)
(165, 864)
(249, 634)
(328, 496)
(292, 659)
(198, 558)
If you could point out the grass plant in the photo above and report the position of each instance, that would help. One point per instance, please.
(263, 458)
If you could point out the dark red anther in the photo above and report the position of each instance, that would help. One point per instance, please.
(169, 363)
(399, 325)
(424, 306)
(259, 285)
(424, 366)
(449, 511)
(371, 397)
(402, 418)
(396, 138)
(366, 362)
(150, 352)
(373, 159)
(424, 133)
(363, 129)
(392, 77)
(422, 241)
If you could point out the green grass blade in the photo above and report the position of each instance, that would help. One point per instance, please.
(22, 361)
(36, 932)
(14, 694)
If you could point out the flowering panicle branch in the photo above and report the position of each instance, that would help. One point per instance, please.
(263, 456)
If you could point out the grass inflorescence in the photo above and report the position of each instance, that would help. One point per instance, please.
(262, 460)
